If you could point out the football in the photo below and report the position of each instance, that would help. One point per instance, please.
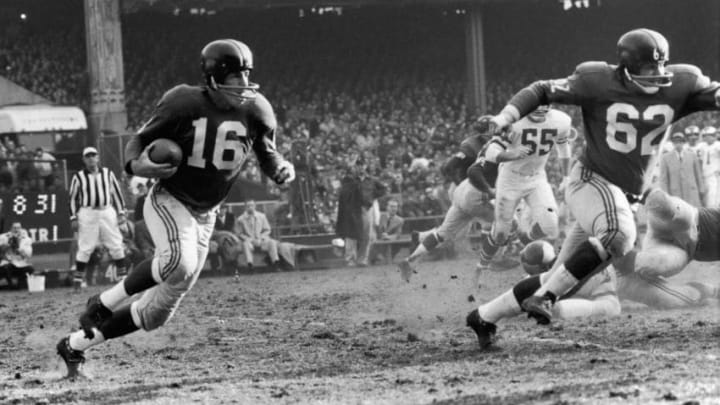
(537, 257)
(165, 151)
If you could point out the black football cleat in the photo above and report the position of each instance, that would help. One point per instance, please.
(74, 359)
(485, 331)
(538, 308)
(95, 314)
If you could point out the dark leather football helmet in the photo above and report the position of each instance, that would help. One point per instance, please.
(224, 57)
(642, 55)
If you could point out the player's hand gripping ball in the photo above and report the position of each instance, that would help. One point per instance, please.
(537, 257)
(165, 151)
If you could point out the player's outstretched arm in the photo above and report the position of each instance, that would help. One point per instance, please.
(705, 94)
(271, 161)
(570, 90)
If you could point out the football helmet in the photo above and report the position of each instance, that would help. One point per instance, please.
(539, 114)
(224, 57)
(692, 130)
(642, 55)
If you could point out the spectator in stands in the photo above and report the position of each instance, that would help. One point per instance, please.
(138, 213)
(390, 227)
(370, 189)
(44, 167)
(710, 152)
(225, 220)
(680, 172)
(253, 229)
(6, 172)
(16, 250)
(692, 136)
(348, 224)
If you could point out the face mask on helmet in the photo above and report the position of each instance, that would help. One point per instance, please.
(650, 76)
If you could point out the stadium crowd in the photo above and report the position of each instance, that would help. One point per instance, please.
(401, 108)
(23, 170)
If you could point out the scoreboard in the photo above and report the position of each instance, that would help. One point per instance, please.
(46, 216)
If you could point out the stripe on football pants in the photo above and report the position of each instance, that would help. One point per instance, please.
(171, 231)
(664, 287)
(610, 211)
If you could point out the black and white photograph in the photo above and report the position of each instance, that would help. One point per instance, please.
(360, 202)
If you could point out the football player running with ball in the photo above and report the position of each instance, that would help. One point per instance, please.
(626, 109)
(216, 126)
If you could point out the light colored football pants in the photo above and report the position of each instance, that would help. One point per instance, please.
(182, 241)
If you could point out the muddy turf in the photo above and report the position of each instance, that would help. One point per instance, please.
(360, 335)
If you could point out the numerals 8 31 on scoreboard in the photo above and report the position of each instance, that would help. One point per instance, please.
(44, 215)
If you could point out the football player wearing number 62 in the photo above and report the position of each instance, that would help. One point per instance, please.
(216, 126)
(626, 109)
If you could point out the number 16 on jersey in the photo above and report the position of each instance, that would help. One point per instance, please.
(227, 151)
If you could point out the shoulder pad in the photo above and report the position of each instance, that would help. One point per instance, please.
(179, 98)
(559, 116)
(263, 111)
(178, 92)
(472, 145)
(593, 67)
(683, 68)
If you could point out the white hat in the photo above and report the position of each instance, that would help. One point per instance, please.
(709, 130)
(89, 149)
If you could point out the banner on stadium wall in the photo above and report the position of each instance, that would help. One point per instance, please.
(45, 216)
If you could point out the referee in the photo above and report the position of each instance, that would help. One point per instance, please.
(95, 204)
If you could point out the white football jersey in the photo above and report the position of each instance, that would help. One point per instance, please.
(540, 137)
(709, 157)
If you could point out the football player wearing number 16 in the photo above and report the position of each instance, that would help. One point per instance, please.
(216, 126)
(626, 109)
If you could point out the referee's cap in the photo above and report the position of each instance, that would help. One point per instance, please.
(89, 150)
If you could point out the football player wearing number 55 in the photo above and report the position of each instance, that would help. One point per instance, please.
(522, 154)
(217, 126)
(626, 109)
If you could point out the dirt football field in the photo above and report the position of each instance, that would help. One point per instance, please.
(360, 335)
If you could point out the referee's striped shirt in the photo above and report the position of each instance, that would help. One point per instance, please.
(95, 190)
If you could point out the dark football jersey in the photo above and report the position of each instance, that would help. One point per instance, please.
(623, 126)
(472, 145)
(215, 138)
(708, 245)
(455, 168)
